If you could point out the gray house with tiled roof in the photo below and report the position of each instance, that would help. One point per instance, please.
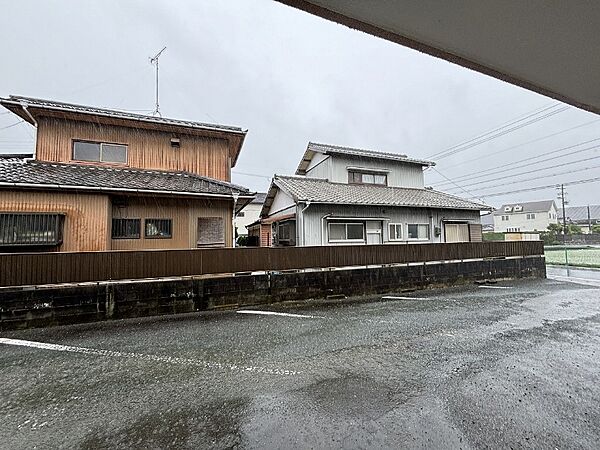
(103, 179)
(343, 195)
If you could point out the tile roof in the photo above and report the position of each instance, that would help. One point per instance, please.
(28, 173)
(72, 107)
(528, 207)
(322, 191)
(580, 213)
(260, 198)
(328, 149)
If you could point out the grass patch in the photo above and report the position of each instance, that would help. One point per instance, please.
(580, 257)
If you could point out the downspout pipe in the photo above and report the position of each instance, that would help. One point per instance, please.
(323, 228)
(35, 124)
(235, 196)
(303, 222)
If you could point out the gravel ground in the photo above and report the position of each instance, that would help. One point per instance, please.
(513, 365)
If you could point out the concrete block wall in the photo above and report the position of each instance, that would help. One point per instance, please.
(66, 304)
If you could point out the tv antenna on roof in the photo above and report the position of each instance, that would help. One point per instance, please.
(154, 60)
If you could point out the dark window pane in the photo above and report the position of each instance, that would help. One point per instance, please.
(126, 228)
(114, 153)
(86, 151)
(355, 231)
(413, 231)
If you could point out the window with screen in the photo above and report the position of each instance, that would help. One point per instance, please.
(126, 228)
(418, 231)
(211, 232)
(158, 228)
(31, 229)
(99, 152)
(395, 231)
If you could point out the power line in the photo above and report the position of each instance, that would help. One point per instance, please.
(250, 174)
(540, 177)
(539, 188)
(460, 187)
(505, 124)
(489, 155)
(494, 170)
(12, 124)
(498, 132)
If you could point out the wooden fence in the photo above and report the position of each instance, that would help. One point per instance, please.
(18, 269)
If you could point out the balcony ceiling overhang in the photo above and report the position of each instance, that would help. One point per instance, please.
(547, 46)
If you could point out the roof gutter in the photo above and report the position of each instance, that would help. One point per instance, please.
(134, 191)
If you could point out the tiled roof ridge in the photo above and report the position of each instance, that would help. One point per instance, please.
(369, 186)
(133, 170)
(366, 150)
(87, 109)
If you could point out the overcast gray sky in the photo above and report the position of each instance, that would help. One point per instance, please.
(289, 78)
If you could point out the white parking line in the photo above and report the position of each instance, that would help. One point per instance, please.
(485, 286)
(391, 297)
(156, 358)
(575, 280)
(273, 313)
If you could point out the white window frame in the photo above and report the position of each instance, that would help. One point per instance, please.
(351, 241)
(408, 238)
(396, 225)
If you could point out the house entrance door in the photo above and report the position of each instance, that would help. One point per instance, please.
(456, 232)
(374, 232)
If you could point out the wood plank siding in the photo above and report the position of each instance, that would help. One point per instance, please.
(87, 226)
(146, 149)
(183, 212)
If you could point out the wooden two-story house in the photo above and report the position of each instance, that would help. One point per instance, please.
(102, 179)
(342, 195)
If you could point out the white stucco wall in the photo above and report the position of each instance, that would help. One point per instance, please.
(313, 223)
(520, 222)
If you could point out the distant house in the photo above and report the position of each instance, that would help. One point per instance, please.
(583, 216)
(343, 195)
(109, 180)
(249, 214)
(525, 217)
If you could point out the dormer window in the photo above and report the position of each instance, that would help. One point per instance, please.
(99, 152)
(507, 208)
(518, 208)
(360, 177)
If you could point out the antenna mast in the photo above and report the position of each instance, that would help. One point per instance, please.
(154, 60)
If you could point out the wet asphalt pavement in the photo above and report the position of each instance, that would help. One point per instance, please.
(466, 367)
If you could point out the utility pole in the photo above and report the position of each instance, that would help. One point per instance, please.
(561, 196)
(154, 60)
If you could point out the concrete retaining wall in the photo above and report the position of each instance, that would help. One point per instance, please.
(66, 304)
